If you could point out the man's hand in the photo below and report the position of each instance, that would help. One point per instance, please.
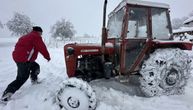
(48, 59)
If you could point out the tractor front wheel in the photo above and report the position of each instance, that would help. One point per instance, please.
(76, 94)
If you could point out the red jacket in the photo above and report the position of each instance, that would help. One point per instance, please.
(28, 46)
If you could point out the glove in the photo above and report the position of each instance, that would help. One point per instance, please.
(48, 59)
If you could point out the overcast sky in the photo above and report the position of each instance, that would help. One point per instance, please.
(86, 15)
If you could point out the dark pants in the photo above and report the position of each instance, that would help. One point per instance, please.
(24, 70)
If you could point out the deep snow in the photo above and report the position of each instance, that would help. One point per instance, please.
(42, 96)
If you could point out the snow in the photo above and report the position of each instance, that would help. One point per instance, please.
(183, 29)
(188, 20)
(171, 41)
(143, 3)
(183, 38)
(53, 73)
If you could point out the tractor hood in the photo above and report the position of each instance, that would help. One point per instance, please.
(87, 49)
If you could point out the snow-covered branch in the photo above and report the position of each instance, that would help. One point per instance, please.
(20, 24)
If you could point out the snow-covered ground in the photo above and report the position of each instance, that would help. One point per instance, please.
(42, 96)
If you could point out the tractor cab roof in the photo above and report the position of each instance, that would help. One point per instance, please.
(141, 3)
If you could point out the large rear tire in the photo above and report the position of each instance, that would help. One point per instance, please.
(165, 72)
(76, 94)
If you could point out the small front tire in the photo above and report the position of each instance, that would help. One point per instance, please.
(76, 94)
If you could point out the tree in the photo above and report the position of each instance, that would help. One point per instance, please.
(1, 25)
(62, 29)
(177, 23)
(184, 18)
(20, 24)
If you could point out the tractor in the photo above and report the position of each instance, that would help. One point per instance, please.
(138, 41)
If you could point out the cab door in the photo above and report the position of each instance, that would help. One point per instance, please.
(115, 25)
(134, 41)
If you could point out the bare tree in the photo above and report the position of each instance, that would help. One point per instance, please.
(184, 18)
(177, 23)
(20, 24)
(62, 29)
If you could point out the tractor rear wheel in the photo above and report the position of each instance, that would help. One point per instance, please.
(165, 72)
(76, 94)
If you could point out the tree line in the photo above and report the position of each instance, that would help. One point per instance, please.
(179, 22)
(21, 24)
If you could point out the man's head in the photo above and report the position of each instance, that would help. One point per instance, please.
(38, 29)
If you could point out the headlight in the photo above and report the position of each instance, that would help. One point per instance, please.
(70, 51)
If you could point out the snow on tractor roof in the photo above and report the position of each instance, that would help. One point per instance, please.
(142, 3)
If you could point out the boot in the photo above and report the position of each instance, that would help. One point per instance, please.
(36, 81)
(6, 96)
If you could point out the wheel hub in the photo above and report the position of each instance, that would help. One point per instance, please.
(172, 77)
(73, 102)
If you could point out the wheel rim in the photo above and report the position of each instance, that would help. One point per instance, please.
(73, 99)
(172, 77)
(73, 102)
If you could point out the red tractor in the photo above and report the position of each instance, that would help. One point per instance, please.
(137, 41)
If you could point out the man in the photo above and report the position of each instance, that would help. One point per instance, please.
(25, 53)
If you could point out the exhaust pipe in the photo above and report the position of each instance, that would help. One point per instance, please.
(104, 13)
(104, 30)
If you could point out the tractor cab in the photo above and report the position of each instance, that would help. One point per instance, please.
(137, 28)
(140, 20)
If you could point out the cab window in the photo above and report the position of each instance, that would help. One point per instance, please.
(137, 23)
(115, 24)
(160, 24)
